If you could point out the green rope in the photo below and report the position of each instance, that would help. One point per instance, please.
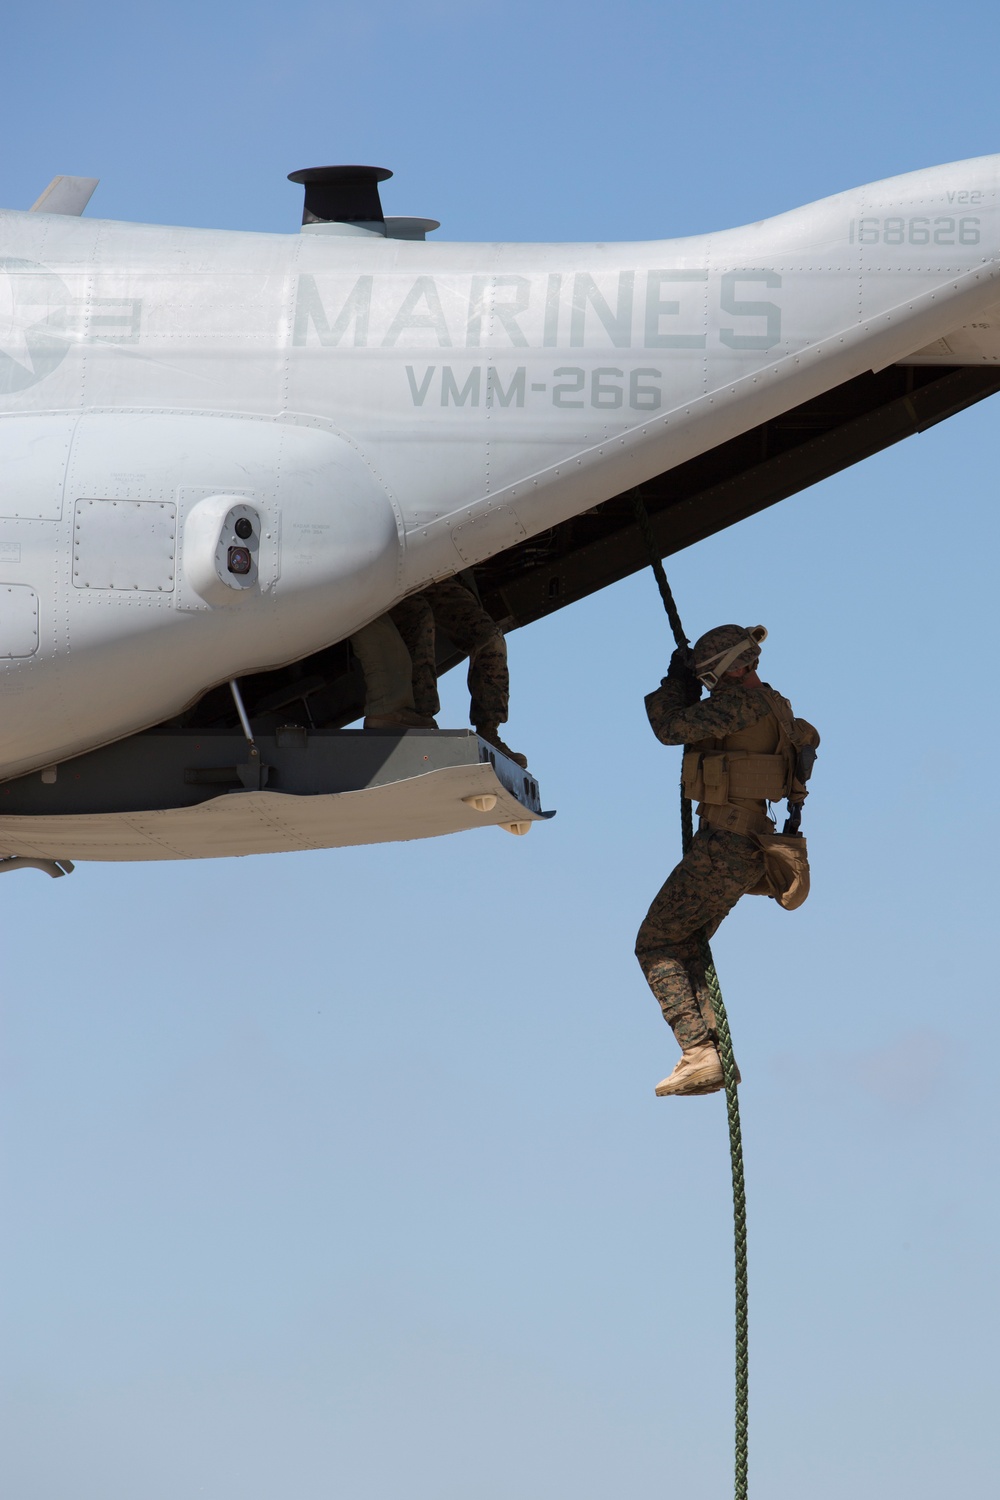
(728, 1068)
(739, 1227)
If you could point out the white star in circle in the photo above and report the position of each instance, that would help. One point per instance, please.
(14, 326)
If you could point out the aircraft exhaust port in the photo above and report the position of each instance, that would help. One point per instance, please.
(193, 794)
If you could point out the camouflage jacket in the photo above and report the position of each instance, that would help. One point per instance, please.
(675, 720)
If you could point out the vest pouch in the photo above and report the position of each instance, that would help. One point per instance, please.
(715, 778)
(786, 869)
(692, 782)
(761, 778)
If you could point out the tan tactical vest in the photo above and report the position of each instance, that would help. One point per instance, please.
(732, 778)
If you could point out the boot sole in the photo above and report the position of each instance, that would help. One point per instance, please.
(694, 1088)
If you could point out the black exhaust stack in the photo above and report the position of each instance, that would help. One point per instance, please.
(342, 195)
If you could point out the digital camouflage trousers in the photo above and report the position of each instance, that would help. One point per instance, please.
(717, 870)
(454, 609)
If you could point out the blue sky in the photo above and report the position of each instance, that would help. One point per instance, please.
(340, 1174)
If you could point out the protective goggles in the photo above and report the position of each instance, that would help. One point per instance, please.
(711, 672)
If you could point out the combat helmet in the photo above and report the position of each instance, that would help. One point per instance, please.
(718, 650)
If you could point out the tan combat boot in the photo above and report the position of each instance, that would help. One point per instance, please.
(698, 1072)
(491, 734)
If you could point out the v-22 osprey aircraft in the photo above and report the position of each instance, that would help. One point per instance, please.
(222, 453)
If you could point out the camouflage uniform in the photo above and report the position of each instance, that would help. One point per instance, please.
(458, 612)
(385, 666)
(717, 870)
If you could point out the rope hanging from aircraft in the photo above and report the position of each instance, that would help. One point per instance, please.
(728, 1064)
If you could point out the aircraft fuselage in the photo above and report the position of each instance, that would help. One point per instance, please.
(383, 412)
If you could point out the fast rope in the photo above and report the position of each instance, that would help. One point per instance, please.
(728, 1066)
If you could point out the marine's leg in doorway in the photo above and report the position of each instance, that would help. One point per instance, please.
(385, 663)
(414, 621)
(454, 607)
